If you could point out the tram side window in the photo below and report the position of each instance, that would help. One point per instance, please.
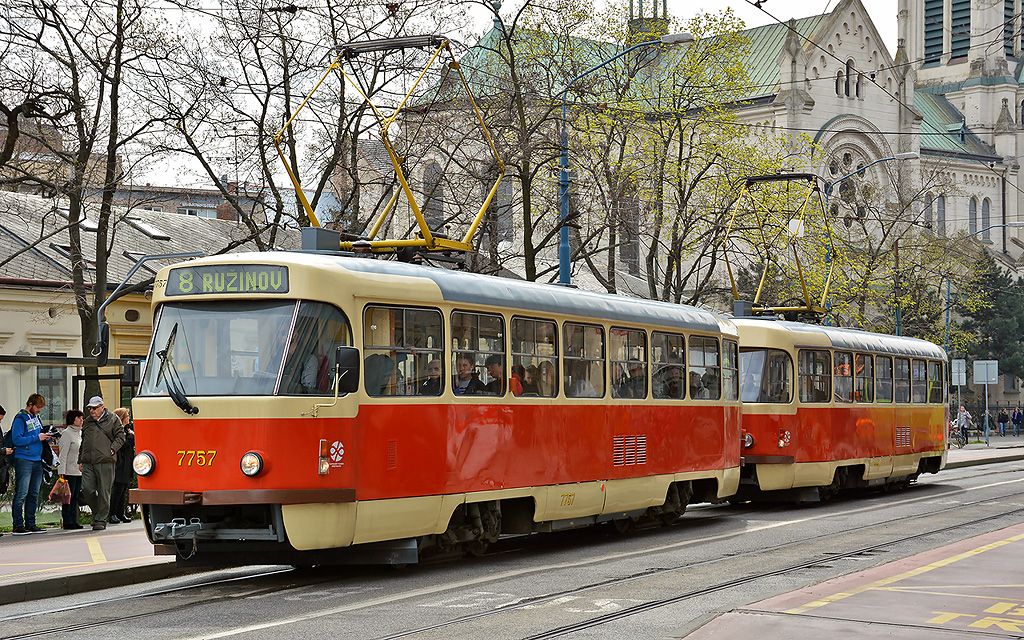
(919, 387)
(535, 356)
(865, 383)
(584, 360)
(883, 378)
(901, 373)
(843, 373)
(935, 383)
(668, 358)
(815, 373)
(705, 371)
(403, 351)
(309, 369)
(628, 352)
(766, 376)
(730, 370)
(478, 349)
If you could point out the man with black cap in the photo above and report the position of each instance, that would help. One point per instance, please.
(102, 436)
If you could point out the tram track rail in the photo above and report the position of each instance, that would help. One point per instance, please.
(276, 588)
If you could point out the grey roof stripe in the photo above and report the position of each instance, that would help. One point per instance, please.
(457, 286)
(857, 340)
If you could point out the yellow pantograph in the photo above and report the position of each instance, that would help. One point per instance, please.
(772, 230)
(428, 239)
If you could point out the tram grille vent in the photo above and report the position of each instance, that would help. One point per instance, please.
(392, 455)
(903, 436)
(629, 450)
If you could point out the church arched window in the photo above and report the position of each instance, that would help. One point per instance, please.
(940, 217)
(839, 83)
(848, 88)
(986, 220)
(929, 204)
(972, 216)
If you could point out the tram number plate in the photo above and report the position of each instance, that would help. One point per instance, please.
(196, 458)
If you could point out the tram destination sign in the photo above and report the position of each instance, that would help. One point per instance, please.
(227, 278)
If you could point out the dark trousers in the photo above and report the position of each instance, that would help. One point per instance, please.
(69, 512)
(28, 475)
(119, 499)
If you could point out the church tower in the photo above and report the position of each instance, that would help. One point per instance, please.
(647, 19)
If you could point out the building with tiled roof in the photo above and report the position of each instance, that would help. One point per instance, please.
(38, 316)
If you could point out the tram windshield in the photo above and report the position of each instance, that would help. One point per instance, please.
(765, 375)
(244, 348)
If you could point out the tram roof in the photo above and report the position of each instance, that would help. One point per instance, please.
(458, 286)
(859, 340)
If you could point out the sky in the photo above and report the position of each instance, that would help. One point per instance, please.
(883, 12)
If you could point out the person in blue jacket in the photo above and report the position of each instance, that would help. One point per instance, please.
(28, 437)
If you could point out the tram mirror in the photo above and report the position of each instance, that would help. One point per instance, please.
(347, 361)
(102, 351)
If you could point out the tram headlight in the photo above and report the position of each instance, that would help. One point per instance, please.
(143, 463)
(251, 463)
(748, 440)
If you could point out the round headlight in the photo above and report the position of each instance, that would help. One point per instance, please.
(748, 440)
(143, 463)
(252, 463)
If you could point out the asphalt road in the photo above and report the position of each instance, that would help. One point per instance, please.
(656, 583)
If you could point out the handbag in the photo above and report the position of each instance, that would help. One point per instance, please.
(61, 492)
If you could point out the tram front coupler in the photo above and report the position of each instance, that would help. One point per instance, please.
(177, 529)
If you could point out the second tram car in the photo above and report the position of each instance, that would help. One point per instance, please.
(826, 409)
(296, 404)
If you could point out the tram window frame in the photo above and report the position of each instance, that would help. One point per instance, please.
(935, 382)
(668, 353)
(573, 362)
(916, 383)
(820, 395)
(842, 392)
(714, 389)
(310, 335)
(480, 357)
(766, 384)
(901, 388)
(631, 356)
(730, 369)
(864, 370)
(400, 388)
(884, 384)
(519, 355)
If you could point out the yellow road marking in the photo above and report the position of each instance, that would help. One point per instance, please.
(73, 565)
(952, 594)
(884, 582)
(95, 550)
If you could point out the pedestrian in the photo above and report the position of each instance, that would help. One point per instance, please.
(6, 461)
(1003, 419)
(1017, 419)
(963, 420)
(102, 436)
(123, 472)
(70, 444)
(28, 438)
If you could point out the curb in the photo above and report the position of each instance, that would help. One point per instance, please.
(980, 461)
(67, 585)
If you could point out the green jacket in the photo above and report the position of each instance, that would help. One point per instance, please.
(101, 439)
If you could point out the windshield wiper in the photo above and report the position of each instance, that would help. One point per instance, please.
(174, 386)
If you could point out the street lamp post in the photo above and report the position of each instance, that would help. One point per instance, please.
(829, 186)
(564, 262)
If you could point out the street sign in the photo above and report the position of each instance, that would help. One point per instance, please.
(986, 371)
(958, 369)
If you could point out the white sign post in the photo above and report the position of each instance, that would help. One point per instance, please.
(986, 372)
(958, 368)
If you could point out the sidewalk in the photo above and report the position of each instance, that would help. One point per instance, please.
(62, 562)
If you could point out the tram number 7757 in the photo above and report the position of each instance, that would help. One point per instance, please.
(199, 458)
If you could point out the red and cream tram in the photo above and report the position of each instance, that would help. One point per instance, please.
(826, 408)
(296, 404)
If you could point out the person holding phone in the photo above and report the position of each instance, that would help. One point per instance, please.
(28, 438)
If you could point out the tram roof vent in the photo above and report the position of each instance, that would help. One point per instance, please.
(320, 240)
